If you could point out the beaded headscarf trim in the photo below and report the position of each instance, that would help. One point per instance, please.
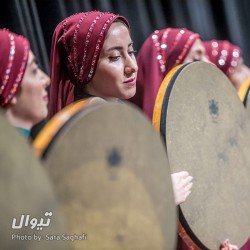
(19, 77)
(78, 70)
(224, 55)
(161, 46)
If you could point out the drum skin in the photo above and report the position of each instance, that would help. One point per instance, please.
(156, 120)
(112, 178)
(26, 196)
(207, 133)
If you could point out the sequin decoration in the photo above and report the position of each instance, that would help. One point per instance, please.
(97, 47)
(161, 47)
(19, 76)
(86, 46)
(185, 48)
(10, 63)
(225, 56)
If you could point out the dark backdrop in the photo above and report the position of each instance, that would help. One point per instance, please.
(219, 19)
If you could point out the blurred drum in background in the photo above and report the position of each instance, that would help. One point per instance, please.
(29, 210)
(112, 178)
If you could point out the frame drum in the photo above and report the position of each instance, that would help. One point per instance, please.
(29, 210)
(112, 178)
(247, 102)
(207, 133)
(244, 91)
(244, 94)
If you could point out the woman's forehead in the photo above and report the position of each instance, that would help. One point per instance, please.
(197, 45)
(118, 30)
(31, 57)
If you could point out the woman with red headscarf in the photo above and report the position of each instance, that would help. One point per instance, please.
(161, 51)
(23, 84)
(228, 58)
(92, 55)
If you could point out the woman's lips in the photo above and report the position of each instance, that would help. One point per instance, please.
(46, 99)
(131, 81)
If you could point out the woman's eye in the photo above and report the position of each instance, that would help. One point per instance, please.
(196, 59)
(132, 52)
(35, 70)
(114, 58)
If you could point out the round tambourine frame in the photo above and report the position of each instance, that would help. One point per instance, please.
(244, 90)
(244, 94)
(111, 174)
(207, 133)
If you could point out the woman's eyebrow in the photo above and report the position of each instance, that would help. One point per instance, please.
(33, 60)
(115, 48)
(118, 47)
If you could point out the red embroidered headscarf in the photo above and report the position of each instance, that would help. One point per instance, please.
(223, 54)
(162, 50)
(76, 46)
(14, 51)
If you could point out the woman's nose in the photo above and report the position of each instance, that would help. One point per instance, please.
(45, 79)
(205, 58)
(131, 66)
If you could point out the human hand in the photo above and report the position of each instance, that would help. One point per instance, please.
(182, 184)
(227, 246)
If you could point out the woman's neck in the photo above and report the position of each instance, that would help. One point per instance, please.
(18, 122)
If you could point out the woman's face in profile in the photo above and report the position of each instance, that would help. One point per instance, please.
(196, 53)
(32, 100)
(116, 71)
